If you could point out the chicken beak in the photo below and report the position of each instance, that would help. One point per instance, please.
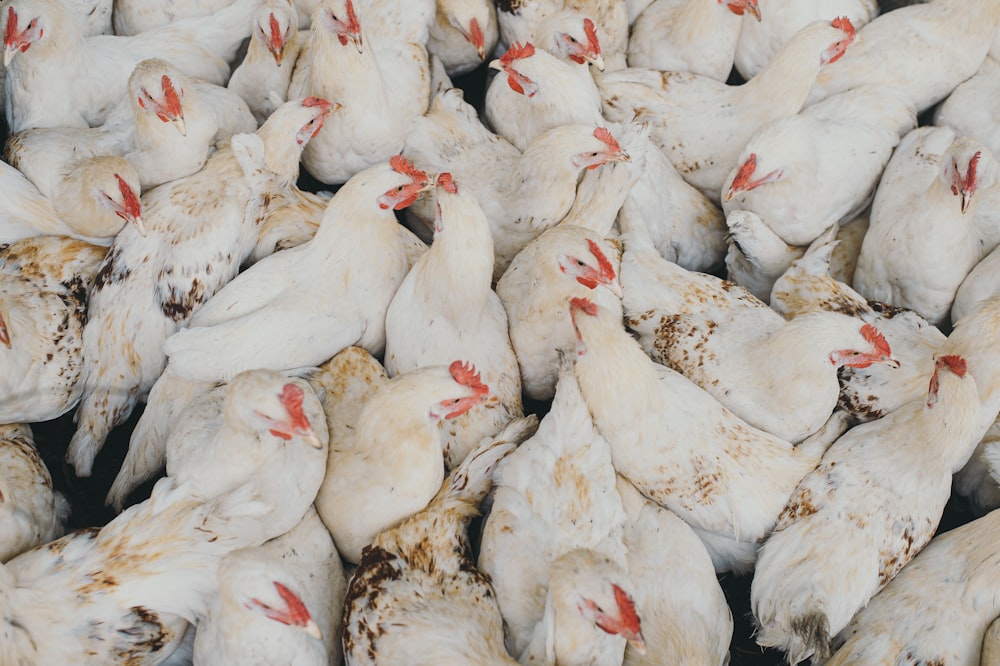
(312, 629)
(614, 287)
(753, 10)
(180, 125)
(139, 225)
(314, 441)
(8, 54)
(637, 641)
(891, 362)
(495, 64)
(730, 193)
(966, 200)
(598, 62)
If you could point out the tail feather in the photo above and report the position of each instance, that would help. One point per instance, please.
(472, 479)
(99, 412)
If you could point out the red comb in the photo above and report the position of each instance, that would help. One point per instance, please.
(130, 202)
(875, 337)
(466, 375)
(316, 101)
(844, 23)
(606, 269)
(593, 45)
(476, 34)
(585, 304)
(516, 52)
(629, 616)
(404, 166)
(275, 38)
(954, 362)
(297, 611)
(604, 135)
(447, 182)
(970, 176)
(291, 397)
(171, 100)
(10, 33)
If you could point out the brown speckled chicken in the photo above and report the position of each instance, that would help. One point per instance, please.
(416, 597)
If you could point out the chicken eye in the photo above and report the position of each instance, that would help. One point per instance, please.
(580, 263)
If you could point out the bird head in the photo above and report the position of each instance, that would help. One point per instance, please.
(19, 38)
(342, 21)
(739, 7)
(744, 180)
(445, 183)
(508, 64)
(616, 615)
(877, 350)
(276, 404)
(578, 309)
(605, 149)
(962, 164)
(473, 391)
(952, 363)
(471, 28)
(4, 332)
(275, 28)
(164, 99)
(591, 269)
(413, 182)
(127, 204)
(580, 43)
(320, 108)
(288, 609)
(834, 52)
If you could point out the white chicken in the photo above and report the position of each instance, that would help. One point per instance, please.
(94, 201)
(134, 16)
(972, 107)
(535, 92)
(553, 540)
(359, 245)
(783, 173)
(44, 286)
(377, 69)
(416, 597)
(760, 41)
(445, 308)
(925, 235)
(566, 261)
(390, 465)
(685, 617)
(262, 79)
(697, 36)
(756, 256)
(853, 523)
(982, 282)
(31, 512)
(463, 33)
(924, 50)
(149, 285)
(701, 327)
(680, 447)
(957, 578)
(58, 78)
(702, 124)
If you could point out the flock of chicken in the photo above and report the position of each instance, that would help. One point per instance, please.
(334, 397)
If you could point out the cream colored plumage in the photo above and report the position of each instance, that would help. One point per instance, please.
(463, 33)
(972, 107)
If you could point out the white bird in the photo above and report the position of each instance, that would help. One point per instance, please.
(463, 33)
(149, 285)
(134, 16)
(526, 21)
(360, 250)
(44, 287)
(972, 108)
(938, 607)
(445, 308)
(31, 512)
(58, 78)
(874, 501)
(982, 282)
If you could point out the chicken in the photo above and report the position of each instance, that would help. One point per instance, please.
(262, 79)
(566, 261)
(127, 591)
(552, 542)
(291, 293)
(982, 282)
(57, 78)
(786, 169)
(378, 72)
(957, 576)
(526, 20)
(165, 129)
(149, 285)
(924, 238)
(760, 41)
(536, 92)
(445, 308)
(43, 308)
(134, 16)
(916, 49)
(94, 201)
(31, 512)
(366, 490)
(853, 523)
(756, 256)
(971, 109)
(685, 617)
(702, 124)
(680, 447)
(253, 621)
(572, 37)
(701, 327)
(416, 597)
(697, 36)
(463, 33)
